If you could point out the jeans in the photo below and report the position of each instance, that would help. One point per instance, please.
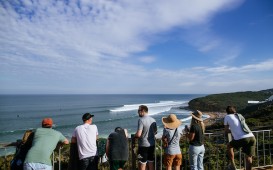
(196, 157)
(35, 166)
(90, 163)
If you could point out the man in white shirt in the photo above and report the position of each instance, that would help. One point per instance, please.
(242, 137)
(85, 136)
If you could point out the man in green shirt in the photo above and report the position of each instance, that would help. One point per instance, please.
(44, 142)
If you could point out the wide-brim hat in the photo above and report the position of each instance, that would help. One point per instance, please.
(197, 115)
(171, 121)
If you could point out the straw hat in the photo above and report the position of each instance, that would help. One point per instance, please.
(171, 121)
(197, 115)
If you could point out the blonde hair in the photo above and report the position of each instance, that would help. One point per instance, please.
(26, 135)
(200, 123)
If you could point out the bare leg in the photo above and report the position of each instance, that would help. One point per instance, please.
(248, 162)
(168, 168)
(231, 154)
(151, 166)
(141, 166)
(177, 167)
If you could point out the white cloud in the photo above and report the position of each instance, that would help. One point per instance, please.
(147, 59)
(88, 48)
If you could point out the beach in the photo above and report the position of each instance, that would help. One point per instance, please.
(213, 117)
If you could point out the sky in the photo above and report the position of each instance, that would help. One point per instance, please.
(135, 47)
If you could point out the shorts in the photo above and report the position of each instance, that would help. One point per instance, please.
(247, 145)
(90, 163)
(172, 160)
(31, 166)
(116, 164)
(146, 154)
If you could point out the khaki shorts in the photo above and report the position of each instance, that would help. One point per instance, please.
(172, 160)
(247, 145)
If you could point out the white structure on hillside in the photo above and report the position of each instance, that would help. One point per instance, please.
(256, 102)
(253, 102)
(270, 98)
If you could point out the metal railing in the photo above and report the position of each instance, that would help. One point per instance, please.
(215, 156)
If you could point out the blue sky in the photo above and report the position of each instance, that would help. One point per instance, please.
(121, 46)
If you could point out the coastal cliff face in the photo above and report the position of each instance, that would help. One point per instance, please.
(219, 102)
(260, 114)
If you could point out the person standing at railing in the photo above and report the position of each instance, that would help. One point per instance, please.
(146, 132)
(117, 149)
(242, 137)
(44, 142)
(85, 136)
(171, 137)
(196, 137)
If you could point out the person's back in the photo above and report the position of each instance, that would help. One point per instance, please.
(85, 136)
(242, 137)
(44, 142)
(117, 149)
(174, 136)
(118, 146)
(146, 131)
(171, 137)
(86, 140)
(235, 127)
(148, 125)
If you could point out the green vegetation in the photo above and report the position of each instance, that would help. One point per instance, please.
(258, 116)
(219, 102)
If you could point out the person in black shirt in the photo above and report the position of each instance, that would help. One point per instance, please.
(117, 148)
(196, 137)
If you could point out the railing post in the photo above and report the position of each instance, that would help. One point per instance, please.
(269, 136)
(132, 151)
(60, 158)
(155, 155)
(263, 147)
(257, 141)
(161, 165)
(53, 155)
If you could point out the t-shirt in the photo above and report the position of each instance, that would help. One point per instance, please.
(148, 126)
(235, 127)
(198, 139)
(44, 142)
(118, 146)
(86, 135)
(173, 148)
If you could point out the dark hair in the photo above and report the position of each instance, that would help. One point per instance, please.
(143, 107)
(86, 116)
(230, 110)
(120, 131)
(117, 129)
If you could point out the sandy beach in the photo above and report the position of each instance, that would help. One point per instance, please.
(214, 116)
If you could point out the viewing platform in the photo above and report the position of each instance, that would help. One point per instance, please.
(215, 156)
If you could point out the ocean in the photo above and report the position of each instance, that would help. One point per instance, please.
(21, 112)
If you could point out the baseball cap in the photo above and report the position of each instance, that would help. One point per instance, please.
(87, 116)
(47, 122)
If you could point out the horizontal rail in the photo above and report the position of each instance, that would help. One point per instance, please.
(215, 156)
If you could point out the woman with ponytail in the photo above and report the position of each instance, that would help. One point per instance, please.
(196, 138)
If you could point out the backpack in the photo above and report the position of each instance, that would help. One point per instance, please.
(244, 126)
(17, 163)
